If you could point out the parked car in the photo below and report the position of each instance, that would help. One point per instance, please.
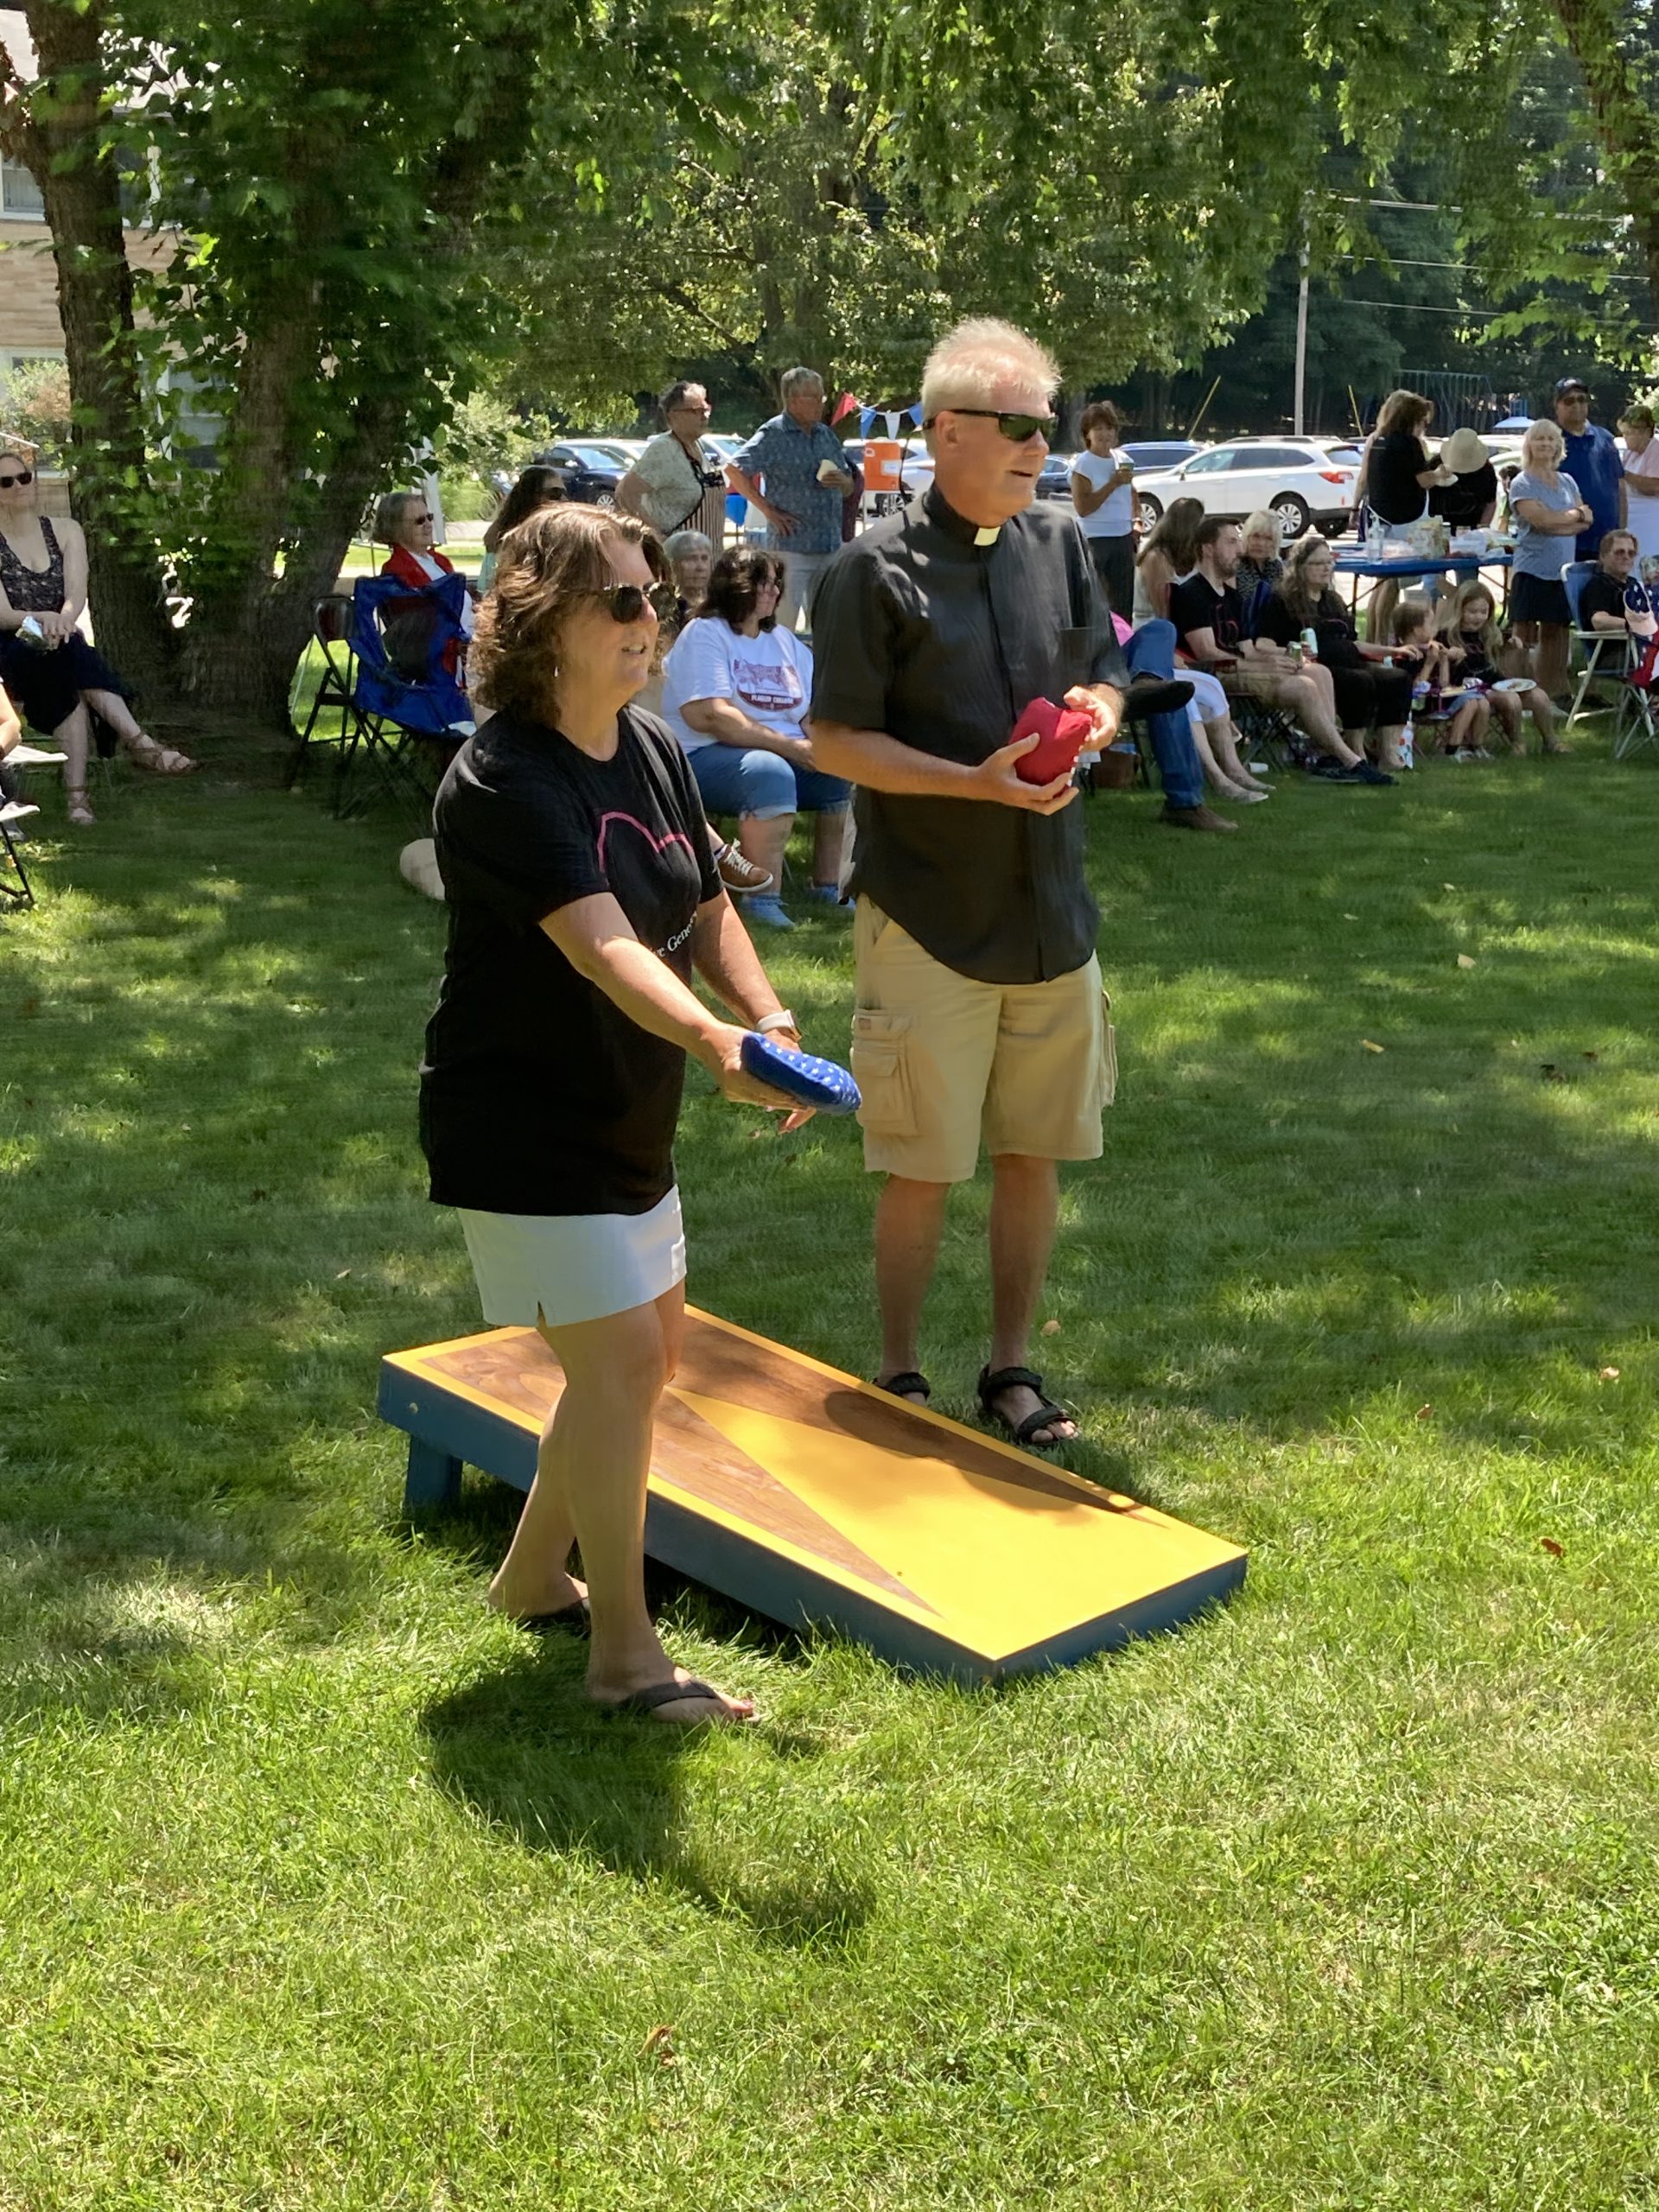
(591, 471)
(1302, 481)
(1149, 455)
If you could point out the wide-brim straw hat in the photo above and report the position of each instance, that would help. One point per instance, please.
(1463, 452)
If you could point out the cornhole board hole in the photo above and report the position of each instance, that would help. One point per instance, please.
(818, 1500)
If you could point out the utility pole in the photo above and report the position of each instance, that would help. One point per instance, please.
(1301, 334)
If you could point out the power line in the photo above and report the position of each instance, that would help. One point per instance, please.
(1451, 207)
(1463, 268)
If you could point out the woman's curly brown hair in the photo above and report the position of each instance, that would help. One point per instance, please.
(546, 565)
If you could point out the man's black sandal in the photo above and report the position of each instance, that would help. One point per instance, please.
(646, 1701)
(910, 1385)
(1010, 1379)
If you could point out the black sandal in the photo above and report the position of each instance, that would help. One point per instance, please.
(1009, 1378)
(645, 1702)
(576, 1617)
(905, 1386)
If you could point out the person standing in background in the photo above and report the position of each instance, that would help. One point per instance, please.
(674, 485)
(1592, 462)
(1640, 455)
(793, 472)
(1103, 492)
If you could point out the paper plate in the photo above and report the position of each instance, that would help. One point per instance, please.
(1513, 683)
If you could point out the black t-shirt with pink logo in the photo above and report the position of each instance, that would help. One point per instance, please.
(538, 1095)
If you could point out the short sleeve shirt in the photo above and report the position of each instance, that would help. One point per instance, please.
(1115, 516)
(786, 459)
(538, 1095)
(1391, 487)
(1593, 463)
(1463, 504)
(673, 482)
(940, 635)
(1197, 604)
(770, 676)
(1537, 553)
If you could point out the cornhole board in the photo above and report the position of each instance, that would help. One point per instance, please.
(818, 1500)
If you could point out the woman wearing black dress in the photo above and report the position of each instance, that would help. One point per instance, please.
(1372, 696)
(582, 897)
(53, 674)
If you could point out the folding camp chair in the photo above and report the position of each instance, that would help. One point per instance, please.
(331, 624)
(13, 811)
(1609, 658)
(391, 671)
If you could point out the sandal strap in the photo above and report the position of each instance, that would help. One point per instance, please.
(1008, 1378)
(908, 1384)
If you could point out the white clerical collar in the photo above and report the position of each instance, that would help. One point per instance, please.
(988, 536)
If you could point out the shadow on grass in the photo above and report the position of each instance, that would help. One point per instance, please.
(524, 1750)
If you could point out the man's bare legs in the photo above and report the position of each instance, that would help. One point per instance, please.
(909, 1220)
(829, 834)
(1025, 1207)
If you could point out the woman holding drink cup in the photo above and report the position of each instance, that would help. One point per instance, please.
(1103, 480)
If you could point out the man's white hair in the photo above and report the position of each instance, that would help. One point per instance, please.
(973, 362)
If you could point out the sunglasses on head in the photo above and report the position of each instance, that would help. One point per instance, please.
(627, 602)
(6, 482)
(1016, 428)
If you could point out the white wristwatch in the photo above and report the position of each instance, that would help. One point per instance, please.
(782, 1020)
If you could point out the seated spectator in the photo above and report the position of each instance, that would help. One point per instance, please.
(1102, 493)
(1458, 718)
(691, 554)
(1168, 552)
(1617, 605)
(1640, 455)
(1260, 568)
(404, 521)
(1474, 647)
(536, 487)
(1372, 698)
(736, 689)
(1549, 510)
(55, 679)
(1207, 614)
(1470, 500)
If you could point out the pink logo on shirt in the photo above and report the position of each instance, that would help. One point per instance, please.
(770, 686)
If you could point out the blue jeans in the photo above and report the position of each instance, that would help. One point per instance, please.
(1151, 652)
(734, 781)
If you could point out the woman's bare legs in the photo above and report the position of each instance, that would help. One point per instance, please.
(590, 1484)
(114, 710)
(1546, 644)
(74, 735)
(1224, 743)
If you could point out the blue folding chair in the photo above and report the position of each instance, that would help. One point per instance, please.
(409, 712)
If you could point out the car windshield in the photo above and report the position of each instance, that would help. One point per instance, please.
(597, 456)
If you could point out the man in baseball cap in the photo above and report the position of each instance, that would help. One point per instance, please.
(1594, 464)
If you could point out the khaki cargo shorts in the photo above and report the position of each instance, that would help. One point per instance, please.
(945, 1062)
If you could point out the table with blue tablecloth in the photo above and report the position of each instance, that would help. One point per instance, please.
(1411, 567)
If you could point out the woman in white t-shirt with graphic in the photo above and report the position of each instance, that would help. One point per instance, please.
(1103, 492)
(736, 690)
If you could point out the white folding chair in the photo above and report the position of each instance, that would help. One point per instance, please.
(12, 811)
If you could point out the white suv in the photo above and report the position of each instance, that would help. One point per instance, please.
(1302, 481)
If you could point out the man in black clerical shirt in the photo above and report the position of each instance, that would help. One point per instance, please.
(979, 1014)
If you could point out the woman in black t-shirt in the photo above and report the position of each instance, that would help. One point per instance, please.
(582, 896)
(1371, 694)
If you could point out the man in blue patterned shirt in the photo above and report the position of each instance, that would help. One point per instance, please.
(803, 480)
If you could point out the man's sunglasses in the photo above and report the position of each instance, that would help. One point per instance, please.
(627, 602)
(1016, 428)
(6, 482)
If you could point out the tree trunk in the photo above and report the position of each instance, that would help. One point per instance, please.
(62, 145)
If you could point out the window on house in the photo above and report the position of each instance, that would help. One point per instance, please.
(19, 193)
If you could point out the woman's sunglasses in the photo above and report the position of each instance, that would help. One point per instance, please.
(1017, 429)
(7, 482)
(627, 602)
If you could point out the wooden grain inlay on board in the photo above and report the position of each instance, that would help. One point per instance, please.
(519, 1371)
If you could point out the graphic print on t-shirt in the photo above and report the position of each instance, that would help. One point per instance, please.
(770, 686)
(644, 873)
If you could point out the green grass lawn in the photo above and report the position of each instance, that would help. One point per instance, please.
(320, 1889)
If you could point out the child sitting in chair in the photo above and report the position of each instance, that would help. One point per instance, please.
(1460, 716)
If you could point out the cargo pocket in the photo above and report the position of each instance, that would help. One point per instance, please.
(1107, 1051)
(881, 1070)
